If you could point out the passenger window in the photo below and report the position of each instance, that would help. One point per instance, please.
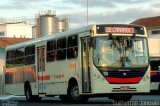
(30, 55)
(10, 59)
(10, 63)
(10, 54)
(19, 57)
(72, 41)
(72, 47)
(61, 43)
(30, 60)
(19, 61)
(19, 52)
(30, 50)
(61, 49)
(51, 51)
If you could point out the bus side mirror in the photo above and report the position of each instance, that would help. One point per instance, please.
(92, 42)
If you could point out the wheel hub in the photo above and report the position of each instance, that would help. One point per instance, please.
(75, 93)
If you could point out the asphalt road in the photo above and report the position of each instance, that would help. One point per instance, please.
(138, 100)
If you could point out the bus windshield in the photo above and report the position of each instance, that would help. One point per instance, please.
(121, 52)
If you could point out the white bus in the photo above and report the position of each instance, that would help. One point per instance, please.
(77, 64)
(154, 55)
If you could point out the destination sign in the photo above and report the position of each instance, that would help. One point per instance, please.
(119, 30)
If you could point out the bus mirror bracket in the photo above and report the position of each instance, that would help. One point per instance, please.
(92, 42)
(110, 36)
(134, 35)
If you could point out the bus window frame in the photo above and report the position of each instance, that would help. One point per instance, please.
(73, 48)
(30, 56)
(54, 50)
(61, 49)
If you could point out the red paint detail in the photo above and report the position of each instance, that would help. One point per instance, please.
(123, 80)
(154, 74)
(58, 76)
(47, 77)
(72, 66)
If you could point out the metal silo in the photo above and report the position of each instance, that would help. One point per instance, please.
(34, 32)
(62, 25)
(47, 24)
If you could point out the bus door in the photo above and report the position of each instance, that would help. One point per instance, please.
(86, 80)
(41, 69)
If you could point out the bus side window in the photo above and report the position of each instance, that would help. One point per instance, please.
(51, 51)
(61, 49)
(30, 55)
(72, 47)
(10, 59)
(19, 57)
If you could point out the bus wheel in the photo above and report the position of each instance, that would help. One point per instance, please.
(28, 93)
(74, 96)
(73, 93)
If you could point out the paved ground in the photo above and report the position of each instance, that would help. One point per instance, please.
(139, 100)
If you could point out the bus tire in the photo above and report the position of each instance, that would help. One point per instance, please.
(28, 92)
(74, 96)
(73, 93)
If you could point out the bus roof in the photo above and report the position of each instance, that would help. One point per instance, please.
(60, 34)
(49, 37)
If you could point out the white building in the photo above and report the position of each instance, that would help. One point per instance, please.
(152, 25)
(17, 30)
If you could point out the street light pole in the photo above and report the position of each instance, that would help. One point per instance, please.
(87, 12)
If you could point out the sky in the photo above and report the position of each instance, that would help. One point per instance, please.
(99, 11)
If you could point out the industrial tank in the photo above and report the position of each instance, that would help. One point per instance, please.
(34, 32)
(48, 24)
(62, 25)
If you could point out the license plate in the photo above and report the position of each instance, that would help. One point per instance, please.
(125, 87)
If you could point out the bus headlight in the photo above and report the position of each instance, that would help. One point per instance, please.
(105, 74)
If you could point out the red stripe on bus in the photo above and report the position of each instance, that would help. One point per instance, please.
(123, 80)
(154, 74)
(47, 77)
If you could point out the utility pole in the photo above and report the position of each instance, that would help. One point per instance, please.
(87, 12)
